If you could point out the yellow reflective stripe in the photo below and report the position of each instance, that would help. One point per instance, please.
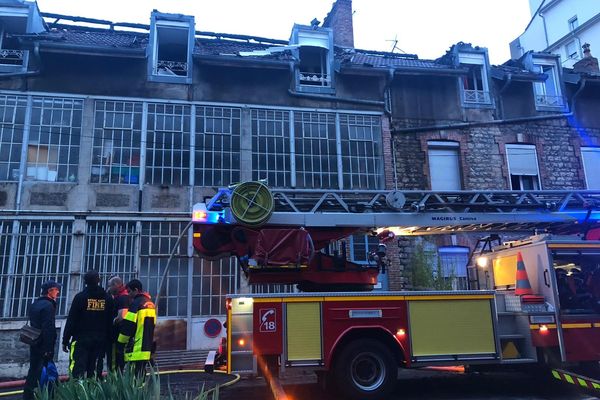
(138, 356)
(130, 316)
(596, 385)
(71, 357)
(123, 338)
(556, 374)
(596, 325)
(582, 382)
(537, 326)
(569, 379)
(575, 326)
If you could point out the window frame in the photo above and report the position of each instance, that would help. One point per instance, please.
(540, 93)
(307, 36)
(537, 181)
(444, 145)
(482, 98)
(589, 149)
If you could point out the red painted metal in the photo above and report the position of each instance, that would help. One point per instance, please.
(268, 339)
(581, 344)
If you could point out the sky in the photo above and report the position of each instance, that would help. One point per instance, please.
(423, 27)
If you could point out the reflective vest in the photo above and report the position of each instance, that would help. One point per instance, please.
(137, 329)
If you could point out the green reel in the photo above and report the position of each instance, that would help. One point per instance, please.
(252, 203)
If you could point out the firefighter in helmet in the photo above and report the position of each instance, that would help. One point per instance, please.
(136, 332)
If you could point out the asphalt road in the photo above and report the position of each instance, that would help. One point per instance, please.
(419, 385)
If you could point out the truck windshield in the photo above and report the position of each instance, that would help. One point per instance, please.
(578, 282)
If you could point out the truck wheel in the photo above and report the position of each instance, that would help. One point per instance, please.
(365, 369)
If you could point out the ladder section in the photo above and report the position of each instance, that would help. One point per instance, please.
(423, 212)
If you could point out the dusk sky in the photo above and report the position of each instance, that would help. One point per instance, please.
(424, 27)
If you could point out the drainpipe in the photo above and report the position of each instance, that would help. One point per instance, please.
(576, 94)
(502, 90)
(545, 30)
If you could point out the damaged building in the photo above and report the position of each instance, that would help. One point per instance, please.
(111, 132)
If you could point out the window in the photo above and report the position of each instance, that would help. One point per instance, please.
(315, 58)
(572, 50)
(157, 242)
(43, 252)
(573, 23)
(171, 47)
(591, 166)
(453, 260)
(211, 282)
(475, 85)
(111, 249)
(117, 141)
(444, 165)
(548, 92)
(53, 148)
(168, 145)
(217, 154)
(316, 151)
(271, 153)
(522, 167)
(361, 151)
(360, 248)
(12, 59)
(12, 123)
(5, 272)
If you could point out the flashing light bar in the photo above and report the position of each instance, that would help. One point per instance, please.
(202, 216)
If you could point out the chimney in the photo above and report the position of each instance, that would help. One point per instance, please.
(588, 63)
(340, 20)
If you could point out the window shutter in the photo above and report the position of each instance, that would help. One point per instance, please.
(522, 160)
(444, 168)
(591, 166)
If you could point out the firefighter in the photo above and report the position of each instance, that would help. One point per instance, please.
(115, 357)
(88, 326)
(42, 314)
(136, 333)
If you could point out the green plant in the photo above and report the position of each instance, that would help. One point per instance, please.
(117, 386)
(423, 275)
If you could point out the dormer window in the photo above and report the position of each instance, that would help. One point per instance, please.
(314, 51)
(548, 94)
(475, 85)
(171, 47)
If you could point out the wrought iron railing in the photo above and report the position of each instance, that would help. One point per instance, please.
(165, 67)
(314, 79)
(551, 101)
(477, 96)
(13, 57)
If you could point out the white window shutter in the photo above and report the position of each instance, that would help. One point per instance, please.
(444, 169)
(522, 160)
(591, 166)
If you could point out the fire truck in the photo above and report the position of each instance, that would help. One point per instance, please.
(530, 302)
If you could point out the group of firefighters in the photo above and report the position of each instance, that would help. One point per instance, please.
(118, 323)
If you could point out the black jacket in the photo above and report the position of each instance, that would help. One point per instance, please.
(42, 315)
(90, 316)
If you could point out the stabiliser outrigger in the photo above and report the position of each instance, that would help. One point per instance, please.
(533, 302)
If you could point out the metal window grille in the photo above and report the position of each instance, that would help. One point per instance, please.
(53, 148)
(316, 153)
(217, 147)
(43, 252)
(361, 151)
(271, 147)
(117, 141)
(12, 123)
(5, 242)
(110, 249)
(168, 145)
(211, 281)
(157, 242)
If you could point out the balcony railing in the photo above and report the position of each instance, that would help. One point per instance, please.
(13, 57)
(477, 97)
(549, 101)
(314, 79)
(171, 68)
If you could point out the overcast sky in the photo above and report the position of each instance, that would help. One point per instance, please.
(423, 27)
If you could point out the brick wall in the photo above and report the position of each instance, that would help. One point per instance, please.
(340, 20)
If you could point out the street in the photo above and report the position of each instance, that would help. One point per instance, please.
(418, 385)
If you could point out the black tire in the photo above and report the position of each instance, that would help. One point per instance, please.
(365, 369)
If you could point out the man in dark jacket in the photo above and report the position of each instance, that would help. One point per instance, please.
(137, 329)
(115, 356)
(42, 315)
(88, 326)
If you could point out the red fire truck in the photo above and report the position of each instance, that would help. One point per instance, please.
(535, 301)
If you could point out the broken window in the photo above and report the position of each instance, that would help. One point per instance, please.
(315, 59)
(314, 67)
(171, 47)
(55, 133)
(117, 141)
(474, 85)
(548, 92)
